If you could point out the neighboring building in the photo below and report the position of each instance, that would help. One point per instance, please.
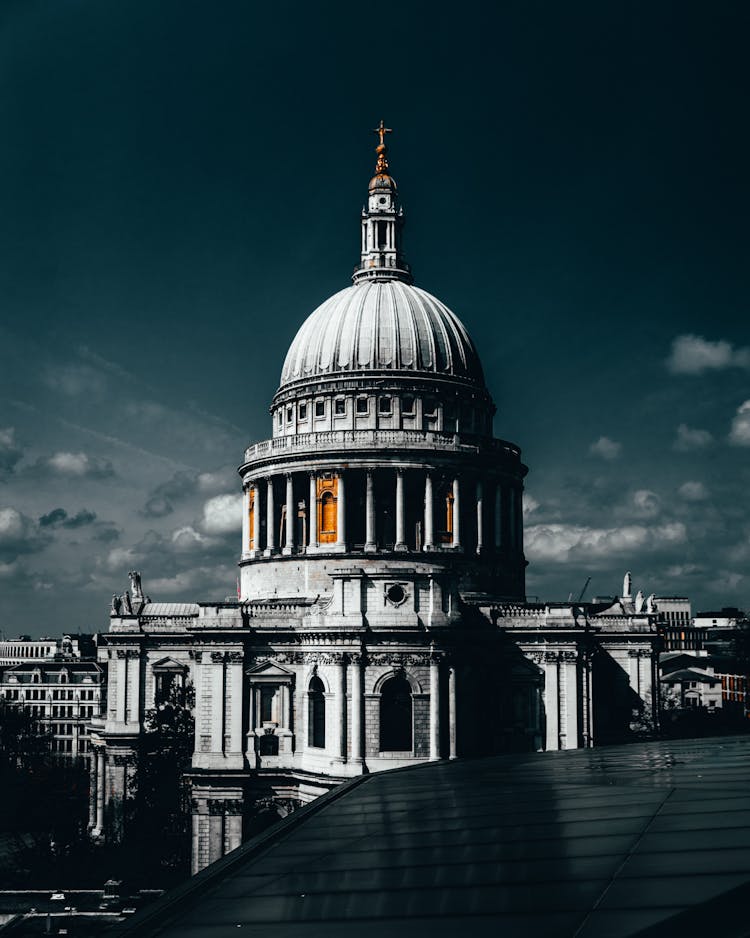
(24, 648)
(674, 621)
(382, 618)
(693, 681)
(725, 618)
(62, 696)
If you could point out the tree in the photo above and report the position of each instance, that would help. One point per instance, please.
(161, 792)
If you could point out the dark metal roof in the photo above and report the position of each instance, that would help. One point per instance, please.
(585, 843)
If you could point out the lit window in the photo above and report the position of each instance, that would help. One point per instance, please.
(340, 406)
(362, 405)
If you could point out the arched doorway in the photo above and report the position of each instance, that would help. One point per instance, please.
(316, 713)
(396, 720)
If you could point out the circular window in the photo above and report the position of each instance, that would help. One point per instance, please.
(395, 594)
(382, 200)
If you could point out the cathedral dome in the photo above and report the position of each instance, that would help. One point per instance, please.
(382, 325)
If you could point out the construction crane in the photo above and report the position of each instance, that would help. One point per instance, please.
(583, 591)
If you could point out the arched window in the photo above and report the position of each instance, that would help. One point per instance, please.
(328, 514)
(317, 714)
(396, 715)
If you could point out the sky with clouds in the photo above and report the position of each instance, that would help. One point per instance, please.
(181, 185)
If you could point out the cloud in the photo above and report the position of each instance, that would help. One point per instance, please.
(18, 535)
(646, 504)
(564, 543)
(183, 484)
(75, 380)
(739, 435)
(187, 538)
(694, 355)
(530, 504)
(222, 514)
(80, 465)
(693, 492)
(10, 451)
(690, 438)
(605, 448)
(162, 500)
(58, 517)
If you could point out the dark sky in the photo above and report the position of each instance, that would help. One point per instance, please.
(180, 186)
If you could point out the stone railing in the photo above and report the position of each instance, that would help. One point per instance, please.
(330, 440)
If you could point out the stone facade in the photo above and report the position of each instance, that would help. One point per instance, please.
(382, 618)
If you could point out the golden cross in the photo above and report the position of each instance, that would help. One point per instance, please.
(382, 130)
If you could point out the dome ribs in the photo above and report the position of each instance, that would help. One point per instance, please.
(385, 325)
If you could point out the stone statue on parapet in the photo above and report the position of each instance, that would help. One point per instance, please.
(627, 585)
(135, 586)
(651, 604)
(116, 605)
(127, 606)
(639, 600)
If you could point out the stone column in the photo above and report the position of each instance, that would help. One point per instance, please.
(235, 721)
(355, 690)
(480, 519)
(92, 790)
(99, 826)
(456, 514)
(122, 685)
(434, 708)
(256, 519)
(400, 542)
(245, 521)
(551, 702)
(452, 711)
(289, 545)
(313, 511)
(429, 505)
(498, 516)
(341, 513)
(340, 719)
(270, 523)
(370, 545)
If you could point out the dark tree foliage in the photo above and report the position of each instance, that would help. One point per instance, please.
(158, 826)
(43, 809)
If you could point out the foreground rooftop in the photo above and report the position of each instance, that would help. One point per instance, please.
(649, 838)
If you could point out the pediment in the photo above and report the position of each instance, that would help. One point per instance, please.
(168, 664)
(269, 669)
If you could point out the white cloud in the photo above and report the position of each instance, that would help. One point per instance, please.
(530, 504)
(694, 355)
(693, 491)
(561, 543)
(121, 558)
(605, 448)
(739, 435)
(79, 464)
(187, 538)
(18, 534)
(691, 438)
(222, 514)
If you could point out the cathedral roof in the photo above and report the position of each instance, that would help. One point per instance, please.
(382, 325)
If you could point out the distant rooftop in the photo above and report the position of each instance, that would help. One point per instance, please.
(649, 838)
